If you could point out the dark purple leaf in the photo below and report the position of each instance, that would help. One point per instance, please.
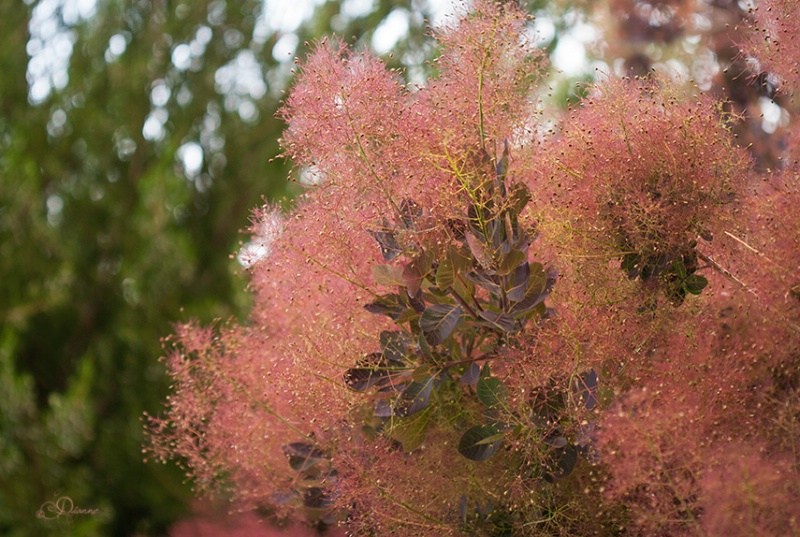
(510, 261)
(417, 302)
(416, 271)
(316, 498)
(410, 212)
(585, 388)
(519, 283)
(562, 462)
(535, 292)
(302, 455)
(502, 164)
(368, 372)
(414, 398)
(390, 249)
(472, 374)
(382, 409)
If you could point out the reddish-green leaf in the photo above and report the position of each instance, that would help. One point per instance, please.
(479, 250)
(388, 275)
(450, 266)
(411, 431)
(438, 321)
(511, 261)
(416, 271)
(501, 321)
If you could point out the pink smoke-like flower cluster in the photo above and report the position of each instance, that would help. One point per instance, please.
(679, 395)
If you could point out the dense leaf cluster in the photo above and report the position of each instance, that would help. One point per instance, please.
(455, 309)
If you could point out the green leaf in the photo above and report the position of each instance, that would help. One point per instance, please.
(480, 442)
(388, 275)
(438, 322)
(410, 432)
(491, 391)
(679, 269)
(695, 284)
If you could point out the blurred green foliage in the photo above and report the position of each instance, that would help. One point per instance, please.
(109, 233)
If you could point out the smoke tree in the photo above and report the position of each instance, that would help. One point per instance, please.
(476, 322)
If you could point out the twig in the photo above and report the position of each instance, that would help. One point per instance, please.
(758, 253)
(725, 272)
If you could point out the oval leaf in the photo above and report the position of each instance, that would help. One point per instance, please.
(411, 432)
(491, 391)
(695, 284)
(302, 455)
(562, 462)
(585, 387)
(438, 321)
(414, 398)
(480, 442)
(416, 271)
(479, 250)
(388, 275)
(388, 244)
(501, 321)
(471, 374)
(391, 305)
(453, 262)
(393, 345)
(520, 283)
(483, 280)
(511, 261)
(537, 289)
(410, 212)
